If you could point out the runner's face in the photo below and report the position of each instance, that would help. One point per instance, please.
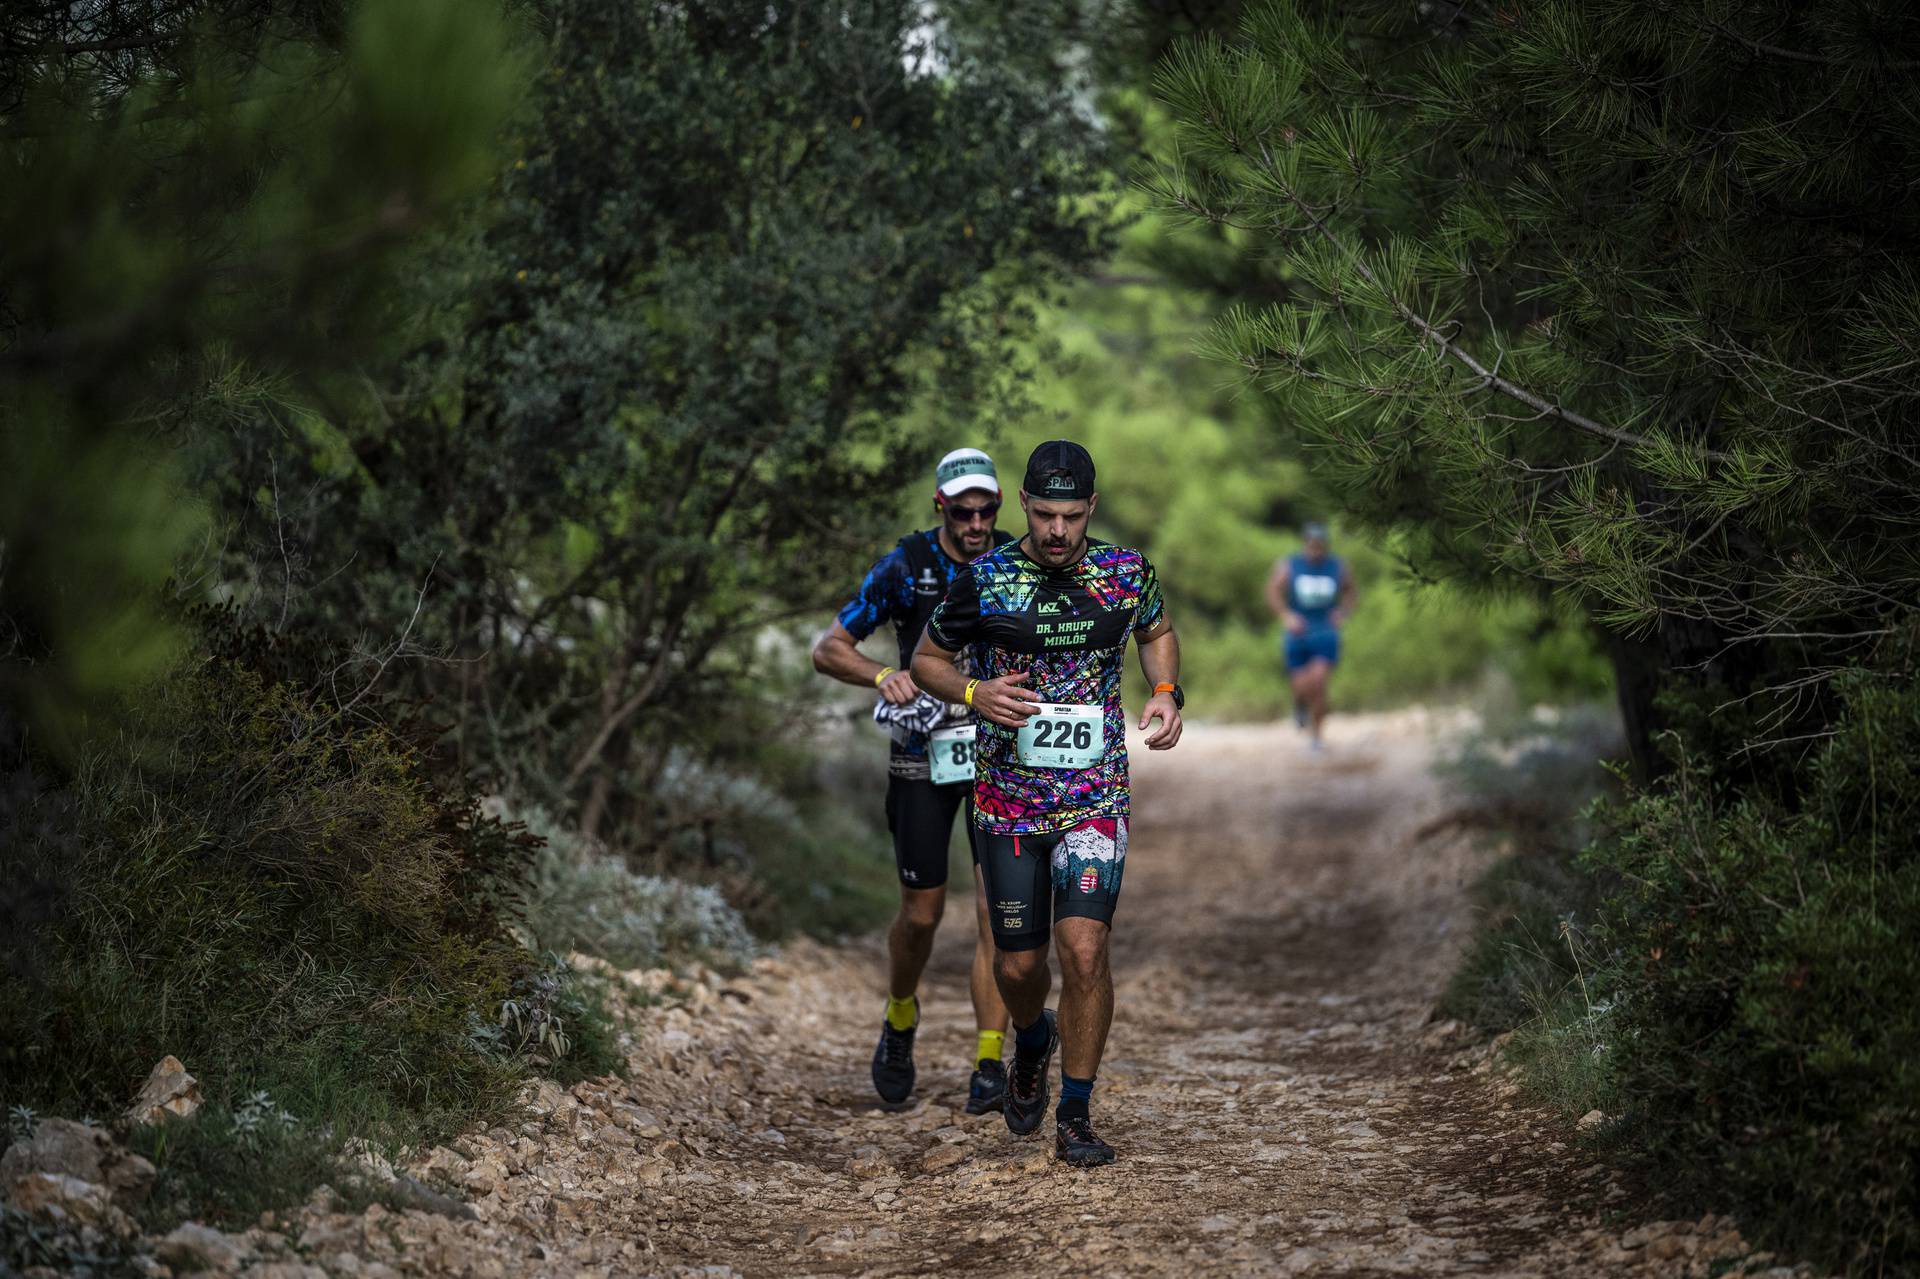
(1056, 531)
(969, 520)
(1316, 548)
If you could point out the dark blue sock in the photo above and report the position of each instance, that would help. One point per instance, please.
(1074, 1096)
(1031, 1040)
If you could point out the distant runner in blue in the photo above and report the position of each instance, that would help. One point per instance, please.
(1312, 594)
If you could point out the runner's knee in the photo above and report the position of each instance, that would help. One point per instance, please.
(920, 909)
(1083, 957)
(1019, 966)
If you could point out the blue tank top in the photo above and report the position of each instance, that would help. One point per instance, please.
(1314, 588)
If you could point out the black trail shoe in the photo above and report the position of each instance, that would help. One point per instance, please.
(988, 1088)
(1027, 1082)
(893, 1064)
(1074, 1143)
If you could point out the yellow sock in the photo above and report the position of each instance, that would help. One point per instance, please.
(903, 1014)
(992, 1044)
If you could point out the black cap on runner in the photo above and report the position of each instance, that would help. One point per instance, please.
(1059, 471)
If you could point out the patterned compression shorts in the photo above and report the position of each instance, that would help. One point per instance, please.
(1034, 880)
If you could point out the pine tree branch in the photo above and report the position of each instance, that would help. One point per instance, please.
(105, 336)
(1817, 59)
(1490, 379)
(118, 44)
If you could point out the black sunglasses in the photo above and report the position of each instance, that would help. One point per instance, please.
(968, 514)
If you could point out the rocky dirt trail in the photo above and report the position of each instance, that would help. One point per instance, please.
(1282, 1101)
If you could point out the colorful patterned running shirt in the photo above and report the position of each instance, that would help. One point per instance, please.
(902, 588)
(1068, 629)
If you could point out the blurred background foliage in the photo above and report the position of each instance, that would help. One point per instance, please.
(1192, 471)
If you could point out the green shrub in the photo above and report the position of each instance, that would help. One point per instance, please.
(269, 896)
(829, 874)
(787, 826)
(1521, 963)
(1526, 776)
(1762, 964)
(235, 1162)
(586, 899)
(267, 880)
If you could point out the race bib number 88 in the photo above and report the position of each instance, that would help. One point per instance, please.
(950, 755)
(1060, 735)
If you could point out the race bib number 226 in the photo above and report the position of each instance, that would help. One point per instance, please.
(1062, 735)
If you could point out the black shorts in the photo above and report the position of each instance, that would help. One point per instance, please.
(920, 815)
(1034, 880)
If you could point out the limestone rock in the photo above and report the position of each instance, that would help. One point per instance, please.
(445, 1165)
(63, 1200)
(943, 1157)
(1590, 1121)
(282, 1270)
(361, 1152)
(868, 1162)
(415, 1193)
(169, 1093)
(77, 1150)
(191, 1246)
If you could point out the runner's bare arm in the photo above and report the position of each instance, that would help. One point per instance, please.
(834, 654)
(1277, 589)
(1347, 597)
(1001, 700)
(1160, 659)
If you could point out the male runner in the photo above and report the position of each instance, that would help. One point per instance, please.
(1312, 594)
(1048, 619)
(903, 589)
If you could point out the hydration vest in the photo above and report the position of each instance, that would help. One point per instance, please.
(929, 572)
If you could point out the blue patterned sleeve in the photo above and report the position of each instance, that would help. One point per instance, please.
(956, 619)
(879, 597)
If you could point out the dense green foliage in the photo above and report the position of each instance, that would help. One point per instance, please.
(586, 899)
(230, 856)
(271, 886)
(1729, 976)
(1190, 473)
(1528, 780)
(1761, 964)
(663, 366)
(1613, 299)
(509, 369)
(201, 194)
(1620, 301)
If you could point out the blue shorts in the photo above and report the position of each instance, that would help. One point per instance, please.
(1320, 642)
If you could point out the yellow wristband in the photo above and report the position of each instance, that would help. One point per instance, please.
(885, 671)
(971, 685)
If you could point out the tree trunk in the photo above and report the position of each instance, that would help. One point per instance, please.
(1638, 670)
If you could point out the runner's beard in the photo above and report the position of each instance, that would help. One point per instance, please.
(1053, 554)
(967, 538)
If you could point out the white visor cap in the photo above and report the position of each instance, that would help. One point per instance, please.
(965, 469)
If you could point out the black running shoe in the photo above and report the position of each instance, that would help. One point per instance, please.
(988, 1088)
(893, 1064)
(1027, 1082)
(1074, 1143)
